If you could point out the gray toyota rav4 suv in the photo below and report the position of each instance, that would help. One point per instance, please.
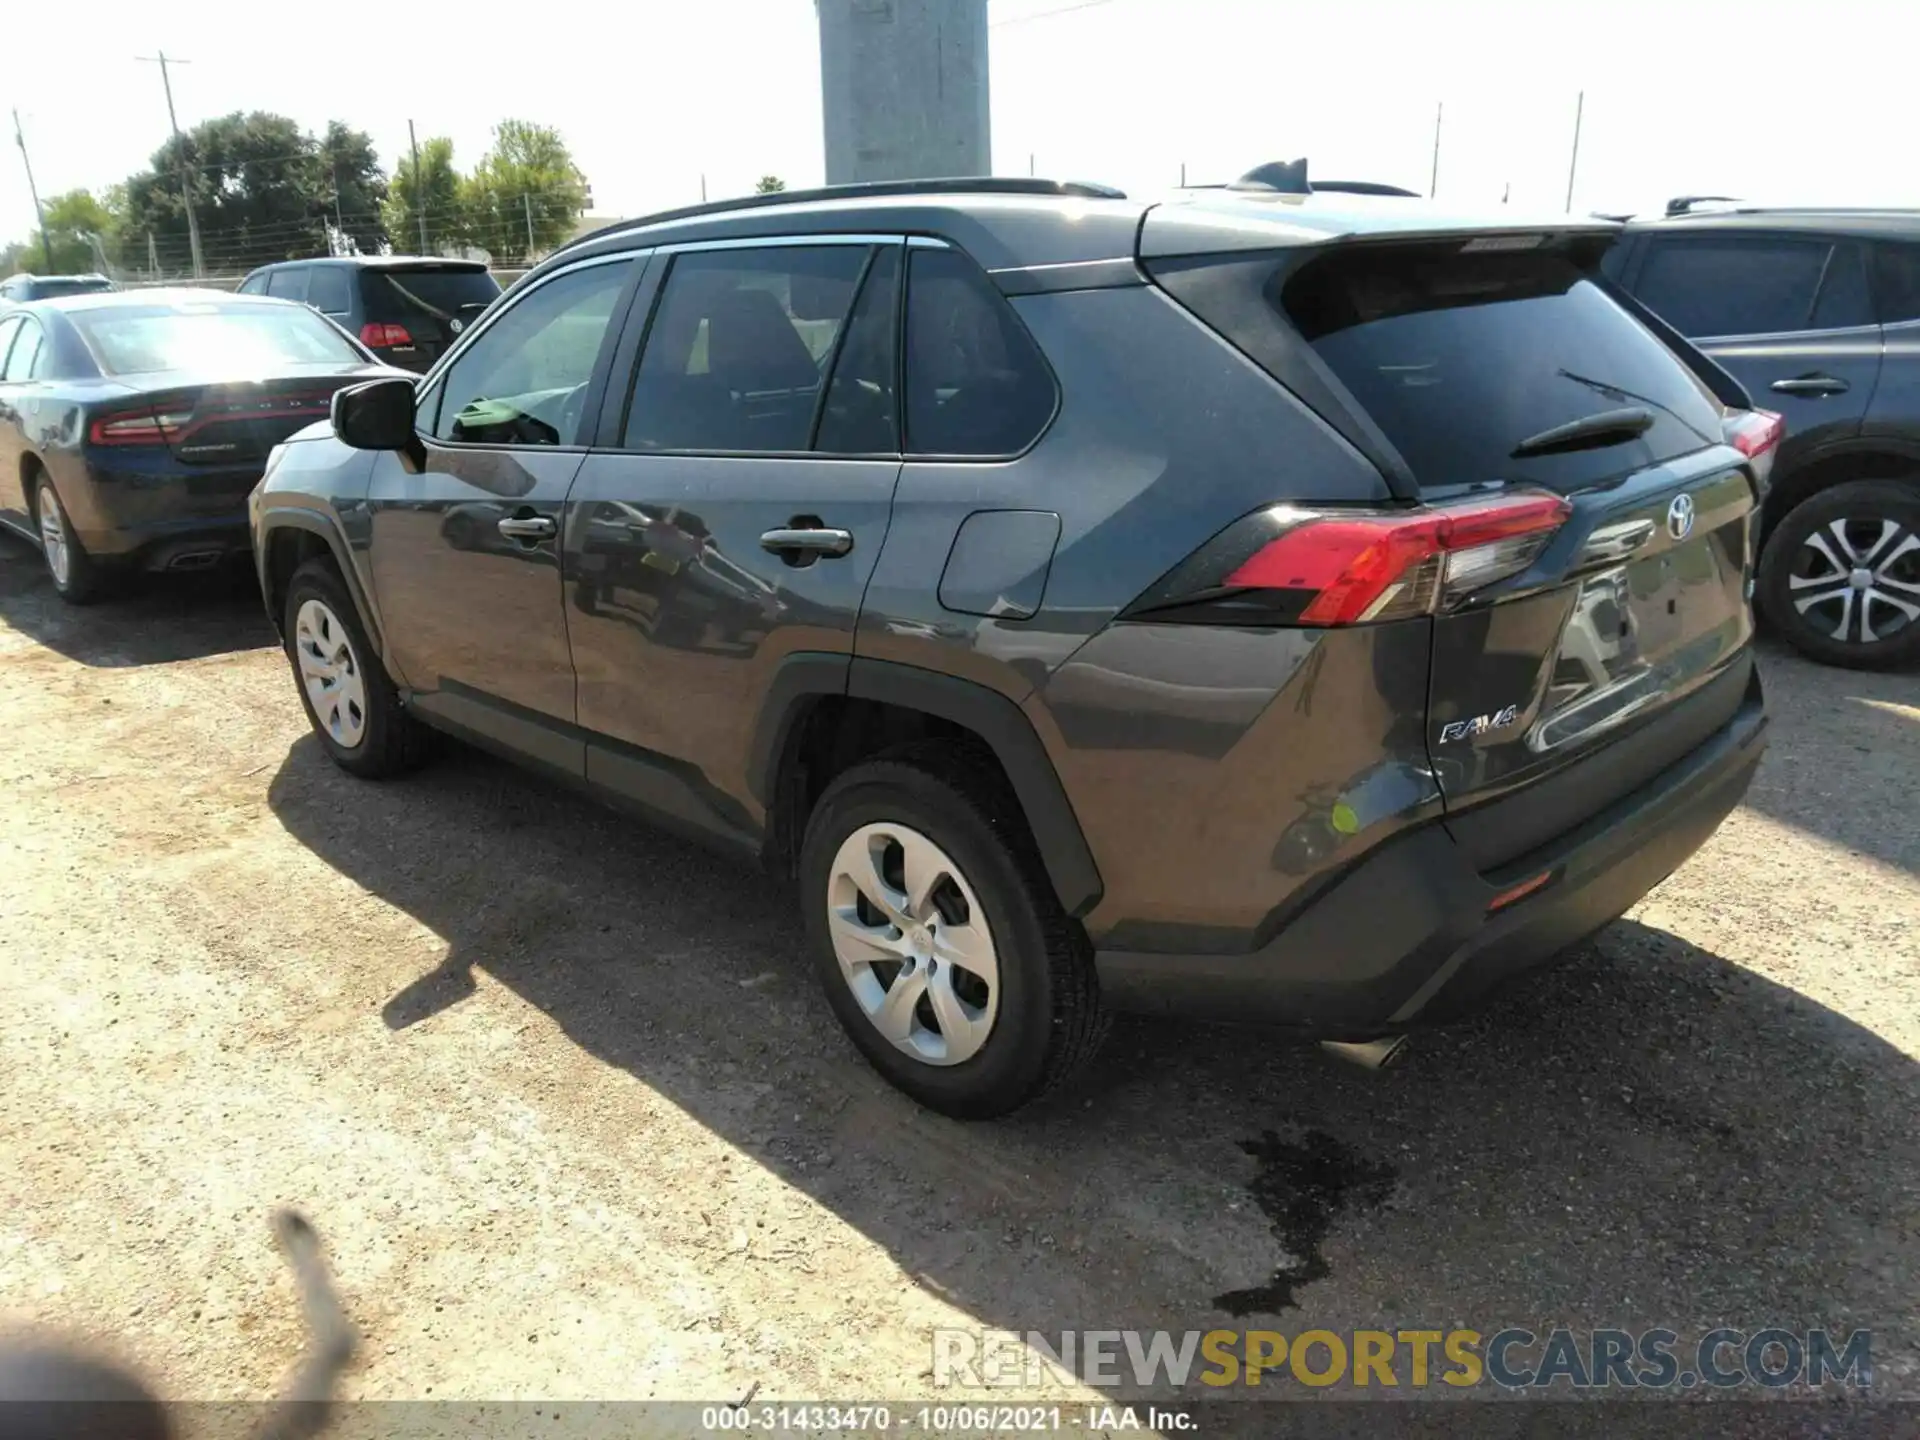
(1261, 604)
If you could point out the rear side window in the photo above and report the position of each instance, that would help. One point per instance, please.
(443, 293)
(23, 363)
(1459, 357)
(738, 347)
(288, 284)
(976, 383)
(1896, 281)
(327, 291)
(1710, 286)
(9, 328)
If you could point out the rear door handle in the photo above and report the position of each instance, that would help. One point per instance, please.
(528, 527)
(1811, 385)
(809, 541)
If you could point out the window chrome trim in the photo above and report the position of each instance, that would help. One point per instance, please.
(772, 242)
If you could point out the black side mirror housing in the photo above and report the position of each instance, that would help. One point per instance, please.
(377, 415)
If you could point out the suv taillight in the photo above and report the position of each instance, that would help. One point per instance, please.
(1292, 566)
(1756, 434)
(374, 335)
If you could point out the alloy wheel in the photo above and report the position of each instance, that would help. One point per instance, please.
(913, 943)
(53, 537)
(1857, 579)
(330, 671)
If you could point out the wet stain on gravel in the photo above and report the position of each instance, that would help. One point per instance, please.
(1300, 1188)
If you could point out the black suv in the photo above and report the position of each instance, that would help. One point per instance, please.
(407, 311)
(1817, 312)
(1261, 605)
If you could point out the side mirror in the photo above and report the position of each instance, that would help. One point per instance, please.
(375, 416)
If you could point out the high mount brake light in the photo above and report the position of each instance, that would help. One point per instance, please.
(1287, 566)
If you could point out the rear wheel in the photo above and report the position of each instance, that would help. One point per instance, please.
(77, 576)
(943, 950)
(353, 705)
(1840, 576)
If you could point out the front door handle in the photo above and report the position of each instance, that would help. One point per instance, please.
(528, 527)
(808, 541)
(1815, 385)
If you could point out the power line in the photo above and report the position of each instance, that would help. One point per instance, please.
(1047, 14)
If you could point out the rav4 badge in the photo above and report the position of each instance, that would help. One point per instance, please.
(1478, 725)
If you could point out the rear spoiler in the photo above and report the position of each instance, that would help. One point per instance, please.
(1727, 390)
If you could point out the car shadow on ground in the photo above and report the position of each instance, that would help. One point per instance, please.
(1646, 1134)
(151, 620)
(1856, 747)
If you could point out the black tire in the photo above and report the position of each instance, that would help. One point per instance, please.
(1862, 508)
(389, 740)
(1049, 1019)
(85, 579)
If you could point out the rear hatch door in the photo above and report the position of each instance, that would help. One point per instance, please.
(432, 303)
(1495, 365)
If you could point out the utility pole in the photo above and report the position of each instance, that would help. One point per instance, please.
(527, 200)
(339, 220)
(1183, 174)
(46, 243)
(703, 188)
(1579, 110)
(1433, 184)
(419, 195)
(186, 171)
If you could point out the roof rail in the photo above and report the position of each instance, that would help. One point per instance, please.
(969, 185)
(1683, 204)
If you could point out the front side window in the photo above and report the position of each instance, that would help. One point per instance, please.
(976, 383)
(1706, 287)
(235, 336)
(524, 381)
(738, 348)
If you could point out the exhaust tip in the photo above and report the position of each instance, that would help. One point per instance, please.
(195, 560)
(1368, 1054)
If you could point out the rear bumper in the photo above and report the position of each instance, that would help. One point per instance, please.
(1405, 937)
(191, 543)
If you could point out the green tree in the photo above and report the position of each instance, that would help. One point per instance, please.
(769, 185)
(83, 231)
(434, 191)
(351, 170)
(526, 194)
(259, 187)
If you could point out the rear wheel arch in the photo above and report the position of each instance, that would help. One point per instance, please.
(288, 540)
(1873, 459)
(826, 713)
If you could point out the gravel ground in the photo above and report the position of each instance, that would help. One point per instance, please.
(574, 1123)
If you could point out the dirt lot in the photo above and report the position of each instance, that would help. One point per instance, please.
(575, 1124)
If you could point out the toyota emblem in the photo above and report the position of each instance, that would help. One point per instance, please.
(1680, 517)
(456, 326)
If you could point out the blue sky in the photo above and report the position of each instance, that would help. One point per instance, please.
(1689, 95)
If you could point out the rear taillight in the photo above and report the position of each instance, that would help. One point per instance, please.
(137, 427)
(375, 335)
(1756, 434)
(1290, 566)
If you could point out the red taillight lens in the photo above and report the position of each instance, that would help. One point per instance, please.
(137, 427)
(375, 335)
(1348, 570)
(1755, 432)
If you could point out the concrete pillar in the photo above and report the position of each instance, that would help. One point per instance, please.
(903, 89)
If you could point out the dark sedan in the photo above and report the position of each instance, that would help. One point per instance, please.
(133, 424)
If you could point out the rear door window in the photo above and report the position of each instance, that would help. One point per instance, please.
(288, 284)
(1710, 286)
(738, 347)
(976, 383)
(1458, 357)
(328, 292)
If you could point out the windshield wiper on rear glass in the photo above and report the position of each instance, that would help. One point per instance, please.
(1590, 432)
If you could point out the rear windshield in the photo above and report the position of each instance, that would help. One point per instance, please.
(257, 336)
(445, 294)
(45, 289)
(1460, 357)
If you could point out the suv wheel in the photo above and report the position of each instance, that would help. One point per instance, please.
(943, 950)
(1840, 576)
(352, 703)
(77, 577)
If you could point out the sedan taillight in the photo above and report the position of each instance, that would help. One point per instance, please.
(137, 427)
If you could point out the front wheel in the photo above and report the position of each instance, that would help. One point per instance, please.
(352, 704)
(944, 953)
(1840, 575)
